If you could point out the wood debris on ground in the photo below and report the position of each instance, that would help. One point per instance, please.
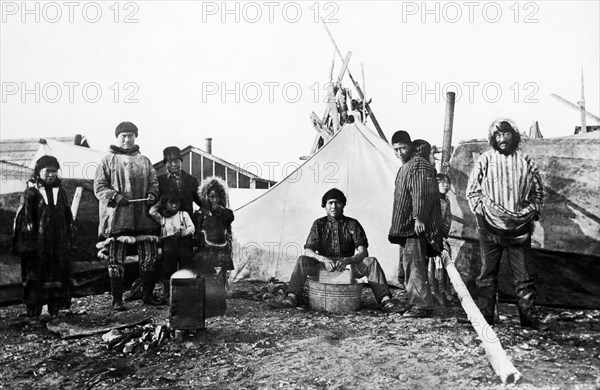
(254, 347)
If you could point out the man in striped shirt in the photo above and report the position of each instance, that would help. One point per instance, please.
(416, 220)
(506, 194)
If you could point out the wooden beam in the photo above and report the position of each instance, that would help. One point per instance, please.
(491, 344)
(338, 81)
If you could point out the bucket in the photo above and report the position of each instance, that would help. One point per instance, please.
(187, 306)
(334, 298)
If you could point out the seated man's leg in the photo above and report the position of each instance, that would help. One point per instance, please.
(370, 268)
(415, 269)
(305, 266)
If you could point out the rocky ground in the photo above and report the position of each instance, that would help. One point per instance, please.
(254, 347)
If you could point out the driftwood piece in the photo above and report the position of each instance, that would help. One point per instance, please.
(496, 355)
(68, 331)
(76, 201)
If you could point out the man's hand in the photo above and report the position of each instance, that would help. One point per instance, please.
(330, 265)
(118, 200)
(419, 227)
(341, 264)
(151, 200)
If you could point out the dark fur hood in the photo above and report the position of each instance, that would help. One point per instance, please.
(213, 183)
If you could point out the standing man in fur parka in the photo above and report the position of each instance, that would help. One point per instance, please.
(506, 194)
(213, 228)
(123, 177)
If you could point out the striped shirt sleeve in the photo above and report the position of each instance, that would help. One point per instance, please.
(536, 194)
(418, 187)
(312, 241)
(474, 184)
(359, 236)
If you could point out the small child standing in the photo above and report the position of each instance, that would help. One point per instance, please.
(440, 283)
(176, 231)
(213, 229)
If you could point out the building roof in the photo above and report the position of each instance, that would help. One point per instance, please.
(22, 151)
(190, 148)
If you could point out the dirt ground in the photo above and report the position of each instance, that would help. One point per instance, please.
(255, 347)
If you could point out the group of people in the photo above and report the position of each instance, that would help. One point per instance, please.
(137, 210)
(505, 193)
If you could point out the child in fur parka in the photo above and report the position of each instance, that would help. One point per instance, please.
(213, 228)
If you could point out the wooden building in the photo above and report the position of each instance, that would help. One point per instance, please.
(22, 151)
(202, 164)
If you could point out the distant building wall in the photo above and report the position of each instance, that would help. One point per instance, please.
(202, 166)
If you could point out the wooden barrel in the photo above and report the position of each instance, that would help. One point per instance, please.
(334, 298)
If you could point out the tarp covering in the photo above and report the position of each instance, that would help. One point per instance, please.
(566, 239)
(270, 232)
(569, 166)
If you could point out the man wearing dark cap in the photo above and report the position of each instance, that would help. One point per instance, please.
(334, 242)
(401, 144)
(176, 179)
(506, 193)
(416, 221)
(126, 187)
(185, 186)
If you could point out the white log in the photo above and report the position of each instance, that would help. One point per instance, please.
(497, 356)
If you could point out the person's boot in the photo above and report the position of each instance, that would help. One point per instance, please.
(527, 312)
(148, 289)
(116, 288)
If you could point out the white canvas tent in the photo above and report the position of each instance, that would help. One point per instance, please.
(270, 232)
(76, 162)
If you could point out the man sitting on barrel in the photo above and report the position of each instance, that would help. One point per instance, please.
(334, 242)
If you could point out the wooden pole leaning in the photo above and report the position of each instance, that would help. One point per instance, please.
(356, 86)
(496, 355)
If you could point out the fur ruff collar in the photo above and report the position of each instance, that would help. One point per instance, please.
(118, 150)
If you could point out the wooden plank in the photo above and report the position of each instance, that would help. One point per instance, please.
(338, 81)
(69, 331)
(319, 127)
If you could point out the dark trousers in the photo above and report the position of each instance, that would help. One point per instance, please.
(369, 267)
(415, 261)
(176, 251)
(518, 251)
(401, 276)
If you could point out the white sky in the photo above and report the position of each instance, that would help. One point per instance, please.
(174, 51)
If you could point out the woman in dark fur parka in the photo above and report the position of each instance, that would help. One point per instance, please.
(43, 239)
